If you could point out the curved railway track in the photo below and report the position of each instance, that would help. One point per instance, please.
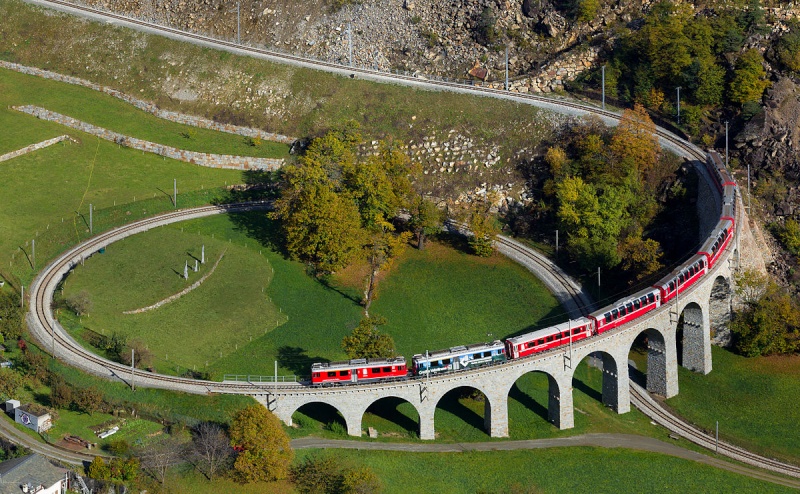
(45, 327)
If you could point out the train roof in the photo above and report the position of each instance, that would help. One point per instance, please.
(715, 235)
(461, 350)
(641, 293)
(358, 363)
(674, 274)
(558, 328)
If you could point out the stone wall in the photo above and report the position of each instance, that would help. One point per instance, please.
(552, 76)
(34, 147)
(202, 159)
(152, 108)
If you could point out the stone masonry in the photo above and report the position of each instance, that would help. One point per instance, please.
(202, 159)
(34, 147)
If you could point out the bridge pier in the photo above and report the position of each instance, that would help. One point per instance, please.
(560, 410)
(696, 339)
(616, 387)
(662, 363)
(495, 415)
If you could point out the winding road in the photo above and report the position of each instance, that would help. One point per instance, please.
(51, 335)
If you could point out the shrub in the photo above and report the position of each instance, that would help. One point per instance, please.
(80, 303)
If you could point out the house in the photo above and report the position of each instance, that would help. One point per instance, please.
(32, 473)
(33, 417)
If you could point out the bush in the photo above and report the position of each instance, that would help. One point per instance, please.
(485, 31)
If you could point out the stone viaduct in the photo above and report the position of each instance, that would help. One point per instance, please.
(682, 324)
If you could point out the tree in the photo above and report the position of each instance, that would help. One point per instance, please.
(787, 49)
(485, 30)
(88, 400)
(360, 480)
(265, 450)
(483, 227)
(98, 469)
(366, 340)
(750, 286)
(770, 326)
(80, 303)
(426, 219)
(11, 315)
(640, 257)
(124, 469)
(383, 247)
(315, 475)
(10, 383)
(157, 458)
(668, 47)
(749, 78)
(634, 143)
(211, 448)
(142, 355)
(61, 395)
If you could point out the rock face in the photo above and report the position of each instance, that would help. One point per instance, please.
(770, 141)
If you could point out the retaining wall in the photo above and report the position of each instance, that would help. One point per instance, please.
(33, 147)
(202, 159)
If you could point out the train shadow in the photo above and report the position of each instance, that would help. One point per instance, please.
(296, 360)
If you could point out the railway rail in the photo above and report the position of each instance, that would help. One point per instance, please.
(45, 328)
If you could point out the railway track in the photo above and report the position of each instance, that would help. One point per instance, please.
(45, 327)
(644, 402)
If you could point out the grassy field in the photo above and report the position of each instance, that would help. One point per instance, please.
(575, 470)
(456, 300)
(754, 400)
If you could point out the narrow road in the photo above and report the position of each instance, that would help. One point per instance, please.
(16, 436)
(627, 441)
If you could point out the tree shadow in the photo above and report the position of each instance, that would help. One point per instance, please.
(454, 240)
(325, 281)
(258, 226)
(295, 359)
(450, 403)
(528, 402)
(387, 409)
(554, 316)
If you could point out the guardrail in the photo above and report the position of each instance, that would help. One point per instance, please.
(259, 379)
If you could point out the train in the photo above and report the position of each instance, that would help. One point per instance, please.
(621, 312)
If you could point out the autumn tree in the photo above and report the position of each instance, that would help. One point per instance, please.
(142, 356)
(640, 257)
(87, 400)
(381, 249)
(787, 49)
(211, 448)
(367, 341)
(483, 226)
(749, 78)
(426, 219)
(61, 395)
(634, 144)
(769, 326)
(80, 303)
(99, 469)
(325, 475)
(265, 450)
(11, 315)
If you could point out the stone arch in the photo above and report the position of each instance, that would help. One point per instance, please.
(388, 408)
(660, 375)
(538, 392)
(452, 402)
(614, 388)
(692, 338)
(319, 412)
(719, 311)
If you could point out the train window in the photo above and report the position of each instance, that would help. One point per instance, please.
(622, 310)
(344, 373)
(487, 354)
(576, 331)
(629, 307)
(680, 278)
(331, 374)
(446, 361)
(387, 369)
(691, 271)
(637, 304)
(607, 315)
(651, 298)
(671, 285)
(614, 313)
(540, 342)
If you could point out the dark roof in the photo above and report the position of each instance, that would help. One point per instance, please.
(32, 469)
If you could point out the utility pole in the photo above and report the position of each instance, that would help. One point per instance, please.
(238, 26)
(22, 296)
(175, 192)
(350, 43)
(506, 67)
(716, 444)
(679, 105)
(603, 72)
(133, 387)
(276, 378)
(556, 243)
(748, 191)
(598, 277)
(91, 229)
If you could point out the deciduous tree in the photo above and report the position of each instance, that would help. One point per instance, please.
(211, 448)
(10, 383)
(367, 341)
(265, 450)
(426, 219)
(749, 78)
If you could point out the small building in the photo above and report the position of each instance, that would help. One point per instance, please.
(33, 417)
(5, 364)
(32, 473)
(11, 405)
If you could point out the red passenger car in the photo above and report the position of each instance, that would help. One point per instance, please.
(358, 371)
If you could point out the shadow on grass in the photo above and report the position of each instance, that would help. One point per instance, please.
(258, 226)
(322, 413)
(450, 403)
(554, 316)
(528, 402)
(455, 241)
(587, 389)
(387, 409)
(325, 281)
(637, 376)
(295, 359)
